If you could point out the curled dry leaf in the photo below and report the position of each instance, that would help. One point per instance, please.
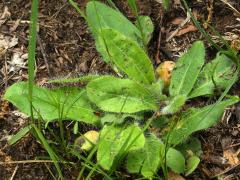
(87, 141)
(4, 15)
(187, 29)
(7, 42)
(174, 176)
(164, 71)
(231, 156)
(235, 44)
(18, 61)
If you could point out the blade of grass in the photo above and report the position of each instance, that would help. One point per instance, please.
(166, 4)
(87, 163)
(51, 153)
(74, 4)
(20, 134)
(197, 24)
(31, 51)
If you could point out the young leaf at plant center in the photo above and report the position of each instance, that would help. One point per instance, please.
(145, 25)
(215, 75)
(187, 69)
(190, 147)
(192, 164)
(129, 57)
(114, 140)
(198, 119)
(160, 122)
(175, 160)
(147, 159)
(72, 102)
(113, 94)
(100, 16)
(174, 105)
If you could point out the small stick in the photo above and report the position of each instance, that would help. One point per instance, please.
(43, 53)
(179, 27)
(26, 161)
(14, 173)
(158, 59)
(225, 171)
(32, 161)
(233, 8)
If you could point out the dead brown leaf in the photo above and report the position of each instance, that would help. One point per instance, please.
(187, 29)
(4, 15)
(177, 21)
(174, 176)
(231, 156)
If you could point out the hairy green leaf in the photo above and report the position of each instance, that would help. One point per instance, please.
(187, 69)
(198, 119)
(63, 103)
(115, 141)
(100, 16)
(129, 57)
(113, 94)
(118, 118)
(82, 79)
(147, 159)
(215, 75)
(175, 160)
(174, 105)
(145, 25)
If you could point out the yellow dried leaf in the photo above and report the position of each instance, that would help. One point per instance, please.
(232, 157)
(86, 141)
(164, 71)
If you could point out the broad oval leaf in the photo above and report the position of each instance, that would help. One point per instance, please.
(175, 160)
(215, 75)
(128, 56)
(115, 141)
(146, 160)
(192, 164)
(113, 94)
(100, 16)
(69, 103)
(198, 119)
(187, 69)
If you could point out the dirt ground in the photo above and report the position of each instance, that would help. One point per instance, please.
(66, 49)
